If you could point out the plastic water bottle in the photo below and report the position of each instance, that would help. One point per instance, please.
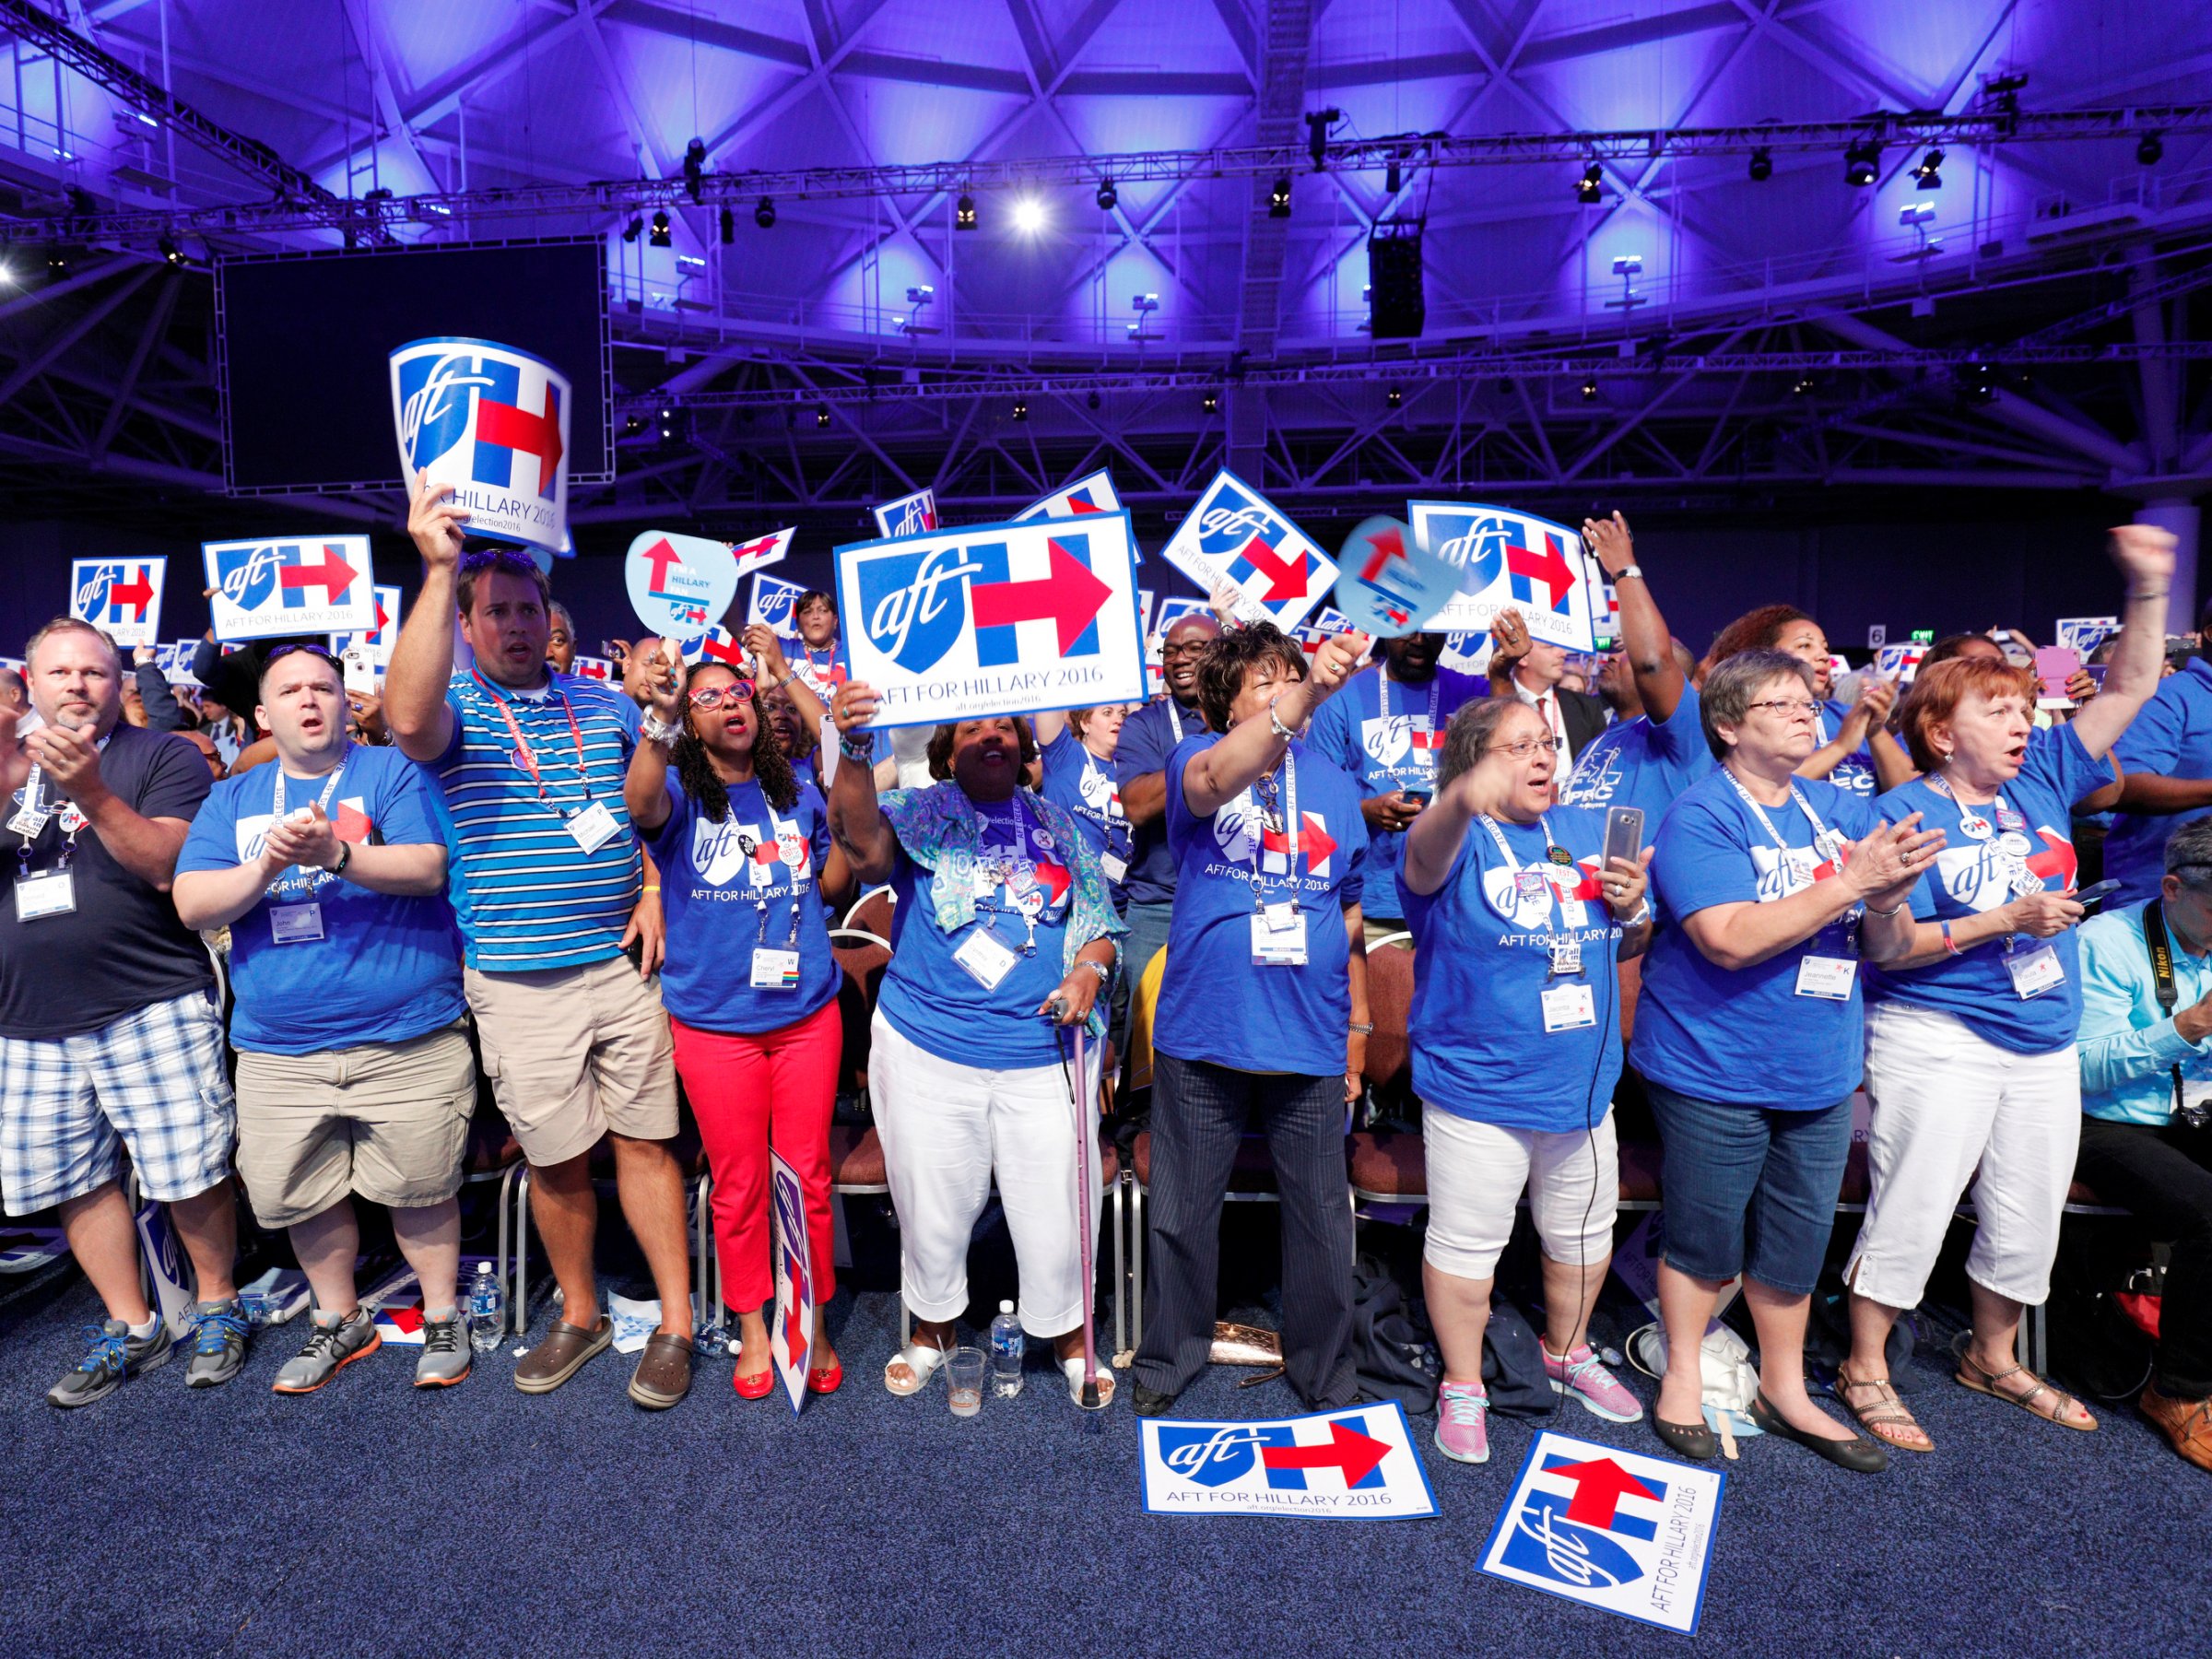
(1007, 1344)
(486, 1311)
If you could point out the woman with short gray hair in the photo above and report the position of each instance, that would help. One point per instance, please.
(1770, 887)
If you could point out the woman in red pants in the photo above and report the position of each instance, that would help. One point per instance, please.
(750, 983)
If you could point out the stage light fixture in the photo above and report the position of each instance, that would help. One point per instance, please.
(660, 237)
(1318, 122)
(1108, 195)
(821, 418)
(1763, 166)
(169, 250)
(1278, 199)
(7, 273)
(2150, 149)
(1862, 164)
(1211, 403)
(1590, 186)
(1589, 390)
(57, 260)
(729, 227)
(1028, 215)
(964, 213)
(1394, 398)
(1929, 173)
(695, 167)
(1092, 403)
(1021, 408)
(1393, 176)
(764, 214)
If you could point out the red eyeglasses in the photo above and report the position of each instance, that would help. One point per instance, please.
(711, 698)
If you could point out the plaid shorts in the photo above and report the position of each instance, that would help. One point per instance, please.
(153, 1081)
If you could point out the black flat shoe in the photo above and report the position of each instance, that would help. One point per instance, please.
(1859, 1455)
(1685, 1439)
(1149, 1401)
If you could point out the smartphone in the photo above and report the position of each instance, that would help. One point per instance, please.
(1624, 834)
(2090, 897)
(360, 673)
(614, 650)
(1416, 798)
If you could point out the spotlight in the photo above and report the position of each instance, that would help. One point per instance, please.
(764, 216)
(1589, 390)
(1393, 176)
(1928, 172)
(1981, 384)
(2150, 149)
(1590, 186)
(695, 166)
(630, 231)
(7, 273)
(964, 213)
(1278, 199)
(1763, 166)
(1861, 162)
(1393, 398)
(1092, 403)
(1108, 195)
(660, 237)
(1021, 408)
(729, 227)
(57, 260)
(169, 250)
(631, 425)
(1028, 215)
(1804, 386)
(821, 418)
(1211, 403)
(1318, 122)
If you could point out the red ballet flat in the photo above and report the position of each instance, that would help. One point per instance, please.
(754, 1388)
(826, 1381)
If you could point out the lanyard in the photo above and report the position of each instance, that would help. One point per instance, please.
(525, 760)
(2018, 875)
(1175, 716)
(306, 883)
(775, 833)
(1265, 793)
(1513, 865)
(1016, 876)
(34, 801)
(1820, 831)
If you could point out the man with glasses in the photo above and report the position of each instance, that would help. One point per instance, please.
(1148, 737)
(109, 1033)
(547, 886)
(353, 1075)
(1532, 669)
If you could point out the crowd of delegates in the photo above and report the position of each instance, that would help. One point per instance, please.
(586, 893)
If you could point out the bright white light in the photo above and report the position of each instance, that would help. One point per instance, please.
(1029, 216)
(7, 273)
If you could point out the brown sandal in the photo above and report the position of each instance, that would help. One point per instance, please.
(1987, 1384)
(1886, 1412)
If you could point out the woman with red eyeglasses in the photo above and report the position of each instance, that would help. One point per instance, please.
(750, 983)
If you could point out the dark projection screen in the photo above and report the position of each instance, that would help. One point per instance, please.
(307, 387)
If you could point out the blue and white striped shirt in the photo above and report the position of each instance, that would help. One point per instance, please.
(527, 896)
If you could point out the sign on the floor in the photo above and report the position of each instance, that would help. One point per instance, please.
(1612, 1529)
(791, 1344)
(1341, 1466)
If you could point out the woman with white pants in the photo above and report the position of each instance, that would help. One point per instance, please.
(1002, 932)
(1971, 1066)
(1515, 1029)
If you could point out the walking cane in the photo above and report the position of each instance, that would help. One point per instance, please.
(1085, 1191)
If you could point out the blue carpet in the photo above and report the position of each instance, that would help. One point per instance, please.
(372, 1517)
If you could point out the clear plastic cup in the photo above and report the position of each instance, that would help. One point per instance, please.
(964, 1381)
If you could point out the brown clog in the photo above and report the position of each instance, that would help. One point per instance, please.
(664, 1373)
(561, 1355)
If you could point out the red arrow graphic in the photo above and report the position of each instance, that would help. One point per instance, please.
(514, 429)
(660, 556)
(380, 618)
(1070, 597)
(138, 593)
(2057, 858)
(1286, 576)
(753, 549)
(1599, 1486)
(1387, 546)
(1547, 567)
(334, 575)
(1356, 1454)
(732, 654)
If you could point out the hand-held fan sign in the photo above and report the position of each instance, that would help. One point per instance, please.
(1390, 585)
(679, 585)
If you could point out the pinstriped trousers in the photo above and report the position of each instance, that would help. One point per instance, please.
(1199, 1112)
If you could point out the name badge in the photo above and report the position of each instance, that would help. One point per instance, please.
(1115, 868)
(53, 894)
(28, 823)
(593, 827)
(1570, 1009)
(986, 961)
(1282, 916)
(1830, 978)
(775, 970)
(1566, 956)
(1283, 948)
(2035, 971)
(295, 923)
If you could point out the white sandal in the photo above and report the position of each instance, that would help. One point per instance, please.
(920, 1359)
(1072, 1369)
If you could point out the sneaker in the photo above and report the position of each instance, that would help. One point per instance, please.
(445, 1356)
(1462, 1430)
(218, 1350)
(114, 1355)
(1583, 1375)
(332, 1345)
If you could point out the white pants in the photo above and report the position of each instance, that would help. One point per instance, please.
(1477, 1172)
(944, 1128)
(1950, 1107)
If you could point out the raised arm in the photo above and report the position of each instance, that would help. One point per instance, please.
(1253, 747)
(645, 786)
(856, 820)
(1436, 835)
(422, 660)
(2145, 555)
(1644, 632)
(768, 651)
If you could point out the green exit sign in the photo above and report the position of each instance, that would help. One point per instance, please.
(1924, 636)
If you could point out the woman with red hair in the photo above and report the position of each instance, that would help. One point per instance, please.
(1971, 1064)
(1856, 751)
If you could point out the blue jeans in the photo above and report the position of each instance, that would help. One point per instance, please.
(1748, 1189)
(1147, 934)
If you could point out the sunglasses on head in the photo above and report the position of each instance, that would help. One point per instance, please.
(282, 652)
(504, 558)
(711, 698)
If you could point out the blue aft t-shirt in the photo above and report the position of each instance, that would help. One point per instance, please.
(1390, 749)
(1148, 737)
(824, 671)
(1973, 873)
(1745, 1035)
(1482, 962)
(750, 882)
(1642, 762)
(387, 968)
(527, 895)
(931, 1000)
(1218, 1004)
(1856, 771)
(2171, 736)
(1084, 785)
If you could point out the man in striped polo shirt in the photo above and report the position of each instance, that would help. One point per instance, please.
(545, 879)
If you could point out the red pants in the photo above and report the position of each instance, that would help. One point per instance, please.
(778, 1089)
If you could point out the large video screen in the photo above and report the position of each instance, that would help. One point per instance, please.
(307, 389)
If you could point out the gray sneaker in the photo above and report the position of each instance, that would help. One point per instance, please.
(330, 1348)
(218, 1348)
(445, 1356)
(114, 1355)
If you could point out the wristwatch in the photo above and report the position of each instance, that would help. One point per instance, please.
(789, 674)
(1628, 571)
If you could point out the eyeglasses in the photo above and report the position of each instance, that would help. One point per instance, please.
(1784, 708)
(1186, 649)
(1526, 748)
(712, 697)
